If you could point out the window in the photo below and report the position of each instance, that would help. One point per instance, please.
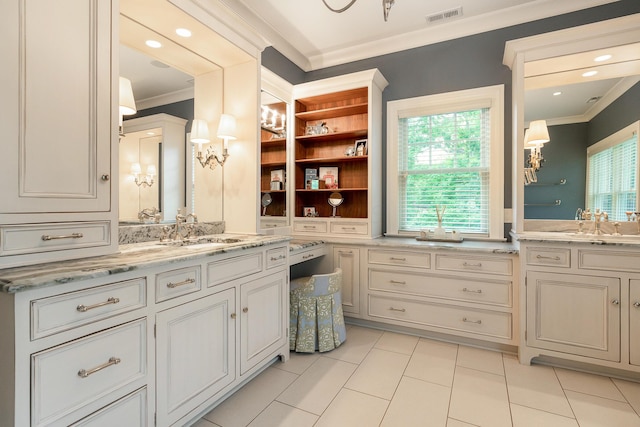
(447, 150)
(612, 174)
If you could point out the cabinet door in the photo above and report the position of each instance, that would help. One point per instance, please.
(55, 113)
(348, 259)
(634, 322)
(574, 314)
(195, 346)
(263, 319)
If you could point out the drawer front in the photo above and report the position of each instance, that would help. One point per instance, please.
(452, 318)
(343, 227)
(494, 292)
(307, 255)
(608, 260)
(409, 259)
(233, 268)
(63, 312)
(34, 238)
(174, 283)
(309, 227)
(277, 256)
(553, 257)
(473, 264)
(69, 376)
(130, 411)
(272, 223)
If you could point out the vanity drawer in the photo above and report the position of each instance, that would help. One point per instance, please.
(608, 260)
(342, 227)
(307, 255)
(453, 318)
(174, 283)
(553, 257)
(233, 268)
(67, 311)
(34, 238)
(473, 264)
(69, 376)
(493, 292)
(277, 256)
(131, 411)
(410, 259)
(309, 226)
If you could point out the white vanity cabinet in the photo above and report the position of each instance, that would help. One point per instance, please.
(58, 121)
(579, 303)
(468, 294)
(139, 346)
(348, 259)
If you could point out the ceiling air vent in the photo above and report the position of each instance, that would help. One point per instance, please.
(445, 14)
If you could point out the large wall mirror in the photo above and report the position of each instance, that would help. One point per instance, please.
(176, 82)
(583, 83)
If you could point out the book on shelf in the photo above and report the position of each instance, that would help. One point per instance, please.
(310, 175)
(329, 174)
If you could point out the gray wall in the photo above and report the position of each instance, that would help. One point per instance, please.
(458, 64)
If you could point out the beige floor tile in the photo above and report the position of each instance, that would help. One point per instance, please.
(536, 387)
(594, 411)
(298, 362)
(359, 342)
(253, 398)
(479, 398)
(595, 385)
(457, 423)
(631, 392)
(418, 403)
(379, 373)
(481, 360)
(399, 343)
(351, 408)
(523, 416)
(314, 390)
(433, 361)
(280, 415)
(204, 423)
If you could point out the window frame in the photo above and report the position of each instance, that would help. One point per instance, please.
(610, 141)
(489, 96)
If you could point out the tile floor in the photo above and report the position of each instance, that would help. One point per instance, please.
(387, 379)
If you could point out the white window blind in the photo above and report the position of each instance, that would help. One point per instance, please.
(612, 179)
(444, 160)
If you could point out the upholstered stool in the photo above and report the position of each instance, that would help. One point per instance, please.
(316, 321)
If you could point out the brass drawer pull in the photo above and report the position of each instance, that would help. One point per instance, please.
(479, 291)
(477, 322)
(397, 282)
(552, 258)
(309, 227)
(308, 256)
(82, 373)
(278, 258)
(349, 228)
(472, 265)
(245, 310)
(184, 282)
(636, 304)
(46, 237)
(397, 259)
(233, 315)
(615, 302)
(82, 308)
(345, 252)
(398, 309)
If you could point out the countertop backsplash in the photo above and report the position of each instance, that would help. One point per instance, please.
(140, 233)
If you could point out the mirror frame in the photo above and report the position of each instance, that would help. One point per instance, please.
(583, 38)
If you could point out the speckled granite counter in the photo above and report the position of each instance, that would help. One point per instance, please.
(578, 239)
(412, 243)
(130, 257)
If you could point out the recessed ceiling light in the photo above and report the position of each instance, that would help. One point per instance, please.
(151, 133)
(589, 73)
(153, 44)
(557, 93)
(602, 58)
(183, 32)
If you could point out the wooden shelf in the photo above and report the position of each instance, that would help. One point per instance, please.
(272, 164)
(332, 160)
(274, 141)
(330, 113)
(333, 136)
(273, 191)
(329, 190)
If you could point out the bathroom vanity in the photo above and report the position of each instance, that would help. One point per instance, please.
(155, 334)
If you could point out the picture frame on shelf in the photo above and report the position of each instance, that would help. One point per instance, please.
(361, 147)
(309, 211)
(278, 175)
(329, 174)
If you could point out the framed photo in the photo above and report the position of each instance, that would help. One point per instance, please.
(329, 174)
(277, 175)
(309, 211)
(361, 147)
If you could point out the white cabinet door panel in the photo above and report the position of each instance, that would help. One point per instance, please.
(634, 322)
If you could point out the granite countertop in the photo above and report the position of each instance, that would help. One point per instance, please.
(579, 239)
(130, 257)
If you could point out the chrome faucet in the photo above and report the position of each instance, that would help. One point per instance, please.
(579, 214)
(149, 213)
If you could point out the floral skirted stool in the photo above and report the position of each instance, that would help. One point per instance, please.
(316, 319)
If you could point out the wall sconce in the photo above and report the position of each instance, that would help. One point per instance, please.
(126, 105)
(200, 135)
(534, 138)
(143, 180)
